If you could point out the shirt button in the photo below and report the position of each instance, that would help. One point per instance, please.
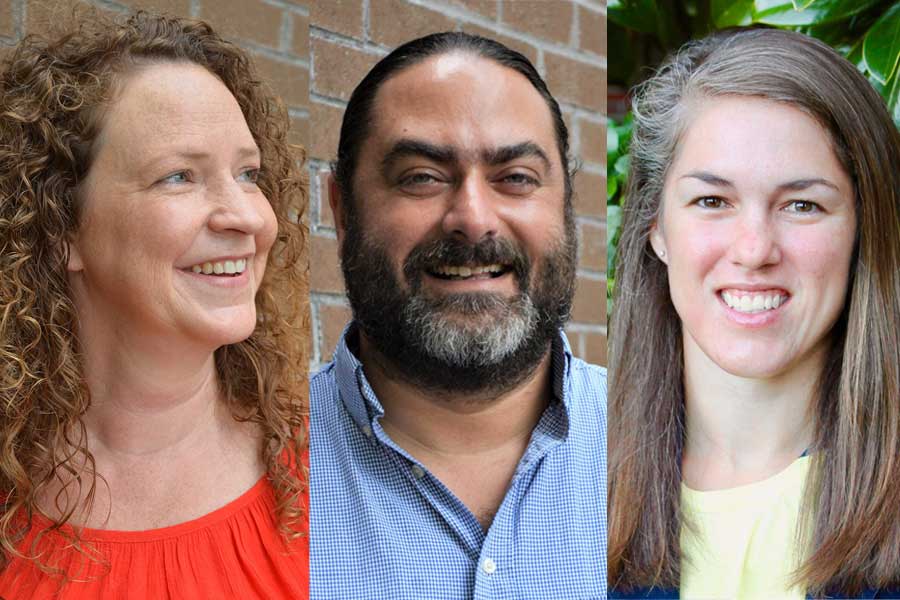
(417, 472)
(367, 431)
(489, 566)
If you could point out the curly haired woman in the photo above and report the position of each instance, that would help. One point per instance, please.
(152, 435)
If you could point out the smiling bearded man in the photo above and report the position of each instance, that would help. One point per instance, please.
(466, 341)
(457, 447)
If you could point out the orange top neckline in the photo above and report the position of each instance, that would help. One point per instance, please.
(127, 536)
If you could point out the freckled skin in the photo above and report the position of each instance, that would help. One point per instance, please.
(137, 232)
(756, 233)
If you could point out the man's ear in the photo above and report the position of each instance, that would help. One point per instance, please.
(336, 201)
(658, 242)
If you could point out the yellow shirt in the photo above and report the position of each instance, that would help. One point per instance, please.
(745, 544)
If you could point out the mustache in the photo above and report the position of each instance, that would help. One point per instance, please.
(454, 252)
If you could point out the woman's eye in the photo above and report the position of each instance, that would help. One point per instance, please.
(251, 175)
(803, 207)
(710, 202)
(179, 177)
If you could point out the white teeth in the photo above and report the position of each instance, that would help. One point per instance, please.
(753, 303)
(469, 271)
(227, 267)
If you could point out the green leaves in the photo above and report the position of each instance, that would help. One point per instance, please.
(798, 13)
(640, 15)
(618, 136)
(881, 45)
(728, 13)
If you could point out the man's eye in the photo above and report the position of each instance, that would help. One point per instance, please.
(520, 179)
(179, 177)
(710, 202)
(803, 207)
(418, 179)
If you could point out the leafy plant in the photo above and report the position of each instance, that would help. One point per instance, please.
(642, 32)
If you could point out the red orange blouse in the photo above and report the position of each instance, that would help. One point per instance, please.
(236, 551)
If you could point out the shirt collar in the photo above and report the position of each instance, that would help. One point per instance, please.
(363, 406)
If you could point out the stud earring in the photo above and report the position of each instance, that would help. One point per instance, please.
(662, 253)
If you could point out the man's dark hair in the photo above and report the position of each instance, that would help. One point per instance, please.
(358, 115)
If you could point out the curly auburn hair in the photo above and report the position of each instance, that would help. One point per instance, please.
(52, 93)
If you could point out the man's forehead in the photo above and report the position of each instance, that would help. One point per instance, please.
(463, 100)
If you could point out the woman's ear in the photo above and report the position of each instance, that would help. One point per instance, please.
(658, 242)
(74, 264)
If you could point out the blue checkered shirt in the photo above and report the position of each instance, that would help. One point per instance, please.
(383, 527)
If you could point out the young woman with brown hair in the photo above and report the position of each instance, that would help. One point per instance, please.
(755, 347)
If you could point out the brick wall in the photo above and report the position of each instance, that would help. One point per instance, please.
(274, 32)
(565, 39)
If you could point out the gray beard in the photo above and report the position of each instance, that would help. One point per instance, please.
(492, 327)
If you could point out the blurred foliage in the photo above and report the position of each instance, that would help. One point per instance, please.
(643, 32)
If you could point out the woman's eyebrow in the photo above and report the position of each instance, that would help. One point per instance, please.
(794, 185)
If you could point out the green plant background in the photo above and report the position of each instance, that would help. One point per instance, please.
(642, 32)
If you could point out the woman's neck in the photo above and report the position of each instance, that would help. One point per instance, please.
(740, 430)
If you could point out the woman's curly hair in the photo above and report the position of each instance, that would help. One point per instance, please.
(52, 96)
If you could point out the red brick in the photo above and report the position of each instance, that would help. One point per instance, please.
(299, 133)
(52, 17)
(590, 301)
(577, 82)
(393, 22)
(332, 320)
(549, 20)
(6, 19)
(338, 69)
(288, 81)
(244, 19)
(593, 247)
(326, 217)
(326, 126)
(340, 16)
(301, 36)
(592, 31)
(593, 141)
(525, 48)
(590, 194)
(488, 8)
(175, 8)
(324, 266)
(595, 348)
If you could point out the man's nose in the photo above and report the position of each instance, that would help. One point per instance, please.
(471, 214)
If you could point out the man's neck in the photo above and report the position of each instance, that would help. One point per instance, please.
(450, 423)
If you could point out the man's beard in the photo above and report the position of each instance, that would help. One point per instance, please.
(459, 342)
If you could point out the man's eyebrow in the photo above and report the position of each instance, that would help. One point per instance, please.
(411, 147)
(505, 154)
(795, 185)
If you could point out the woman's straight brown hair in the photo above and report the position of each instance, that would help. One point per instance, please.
(851, 512)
